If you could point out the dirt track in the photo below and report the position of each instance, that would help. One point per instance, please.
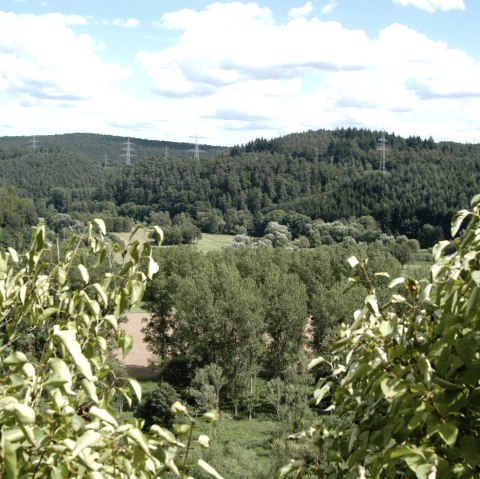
(138, 360)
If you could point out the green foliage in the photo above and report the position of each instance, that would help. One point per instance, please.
(406, 375)
(155, 407)
(57, 401)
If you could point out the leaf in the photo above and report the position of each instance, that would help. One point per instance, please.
(159, 234)
(13, 254)
(86, 440)
(152, 267)
(457, 221)
(16, 357)
(126, 342)
(209, 469)
(137, 436)
(204, 441)
(315, 362)
(101, 225)
(178, 408)
(212, 416)
(396, 282)
(25, 414)
(103, 415)
(371, 302)
(71, 344)
(438, 248)
(319, 394)
(9, 455)
(352, 261)
(84, 273)
(101, 293)
(448, 432)
(61, 375)
(136, 388)
(137, 288)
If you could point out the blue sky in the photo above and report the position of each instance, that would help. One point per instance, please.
(234, 71)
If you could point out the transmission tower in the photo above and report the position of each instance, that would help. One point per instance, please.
(33, 144)
(196, 150)
(382, 148)
(106, 161)
(166, 151)
(129, 152)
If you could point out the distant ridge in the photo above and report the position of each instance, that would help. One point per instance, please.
(95, 146)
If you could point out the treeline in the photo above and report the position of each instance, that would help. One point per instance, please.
(236, 326)
(322, 175)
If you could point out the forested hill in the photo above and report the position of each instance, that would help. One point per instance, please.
(96, 147)
(294, 179)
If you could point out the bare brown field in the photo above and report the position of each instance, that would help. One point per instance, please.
(138, 360)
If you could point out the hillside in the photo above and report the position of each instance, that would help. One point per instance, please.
(321, 174)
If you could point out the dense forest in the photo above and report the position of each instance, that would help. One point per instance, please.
(321, 175)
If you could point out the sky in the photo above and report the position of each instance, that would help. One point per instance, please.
(232, 71)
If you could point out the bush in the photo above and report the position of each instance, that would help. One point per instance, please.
(155, 407)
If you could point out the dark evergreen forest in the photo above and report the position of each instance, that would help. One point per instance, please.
(295, 180)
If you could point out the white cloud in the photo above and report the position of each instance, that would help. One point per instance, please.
(51, 79)
(120, 22)
(308, 73)
(329, 7)
(433, 5)
(301, 11)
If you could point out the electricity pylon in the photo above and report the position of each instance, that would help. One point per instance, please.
(128, 152)
(382, 148)
(196, 150)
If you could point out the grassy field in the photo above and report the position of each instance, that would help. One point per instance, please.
(141, 234)
(211, 242)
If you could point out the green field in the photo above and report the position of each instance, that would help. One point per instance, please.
(141, 234)
(211, 242)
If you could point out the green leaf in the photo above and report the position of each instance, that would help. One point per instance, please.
(68, 338)
(319, 394)
(88, 438)
(212, 416)
(152, 267)
(315, 362)
(209, 469)
(138, 288)
(457, 221)
(84, 273)
(159, 234)
(448, 432)
(101, 225)
(25, 414)
(61, 375)
(136, 388)
(396, 282)
(103, 415)
(352, 261)
(126, 343)
(101, 292)
(203, 440)
(16, 357)
(13, 254)
(9, 455)
(438, 248)
(137, 436)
